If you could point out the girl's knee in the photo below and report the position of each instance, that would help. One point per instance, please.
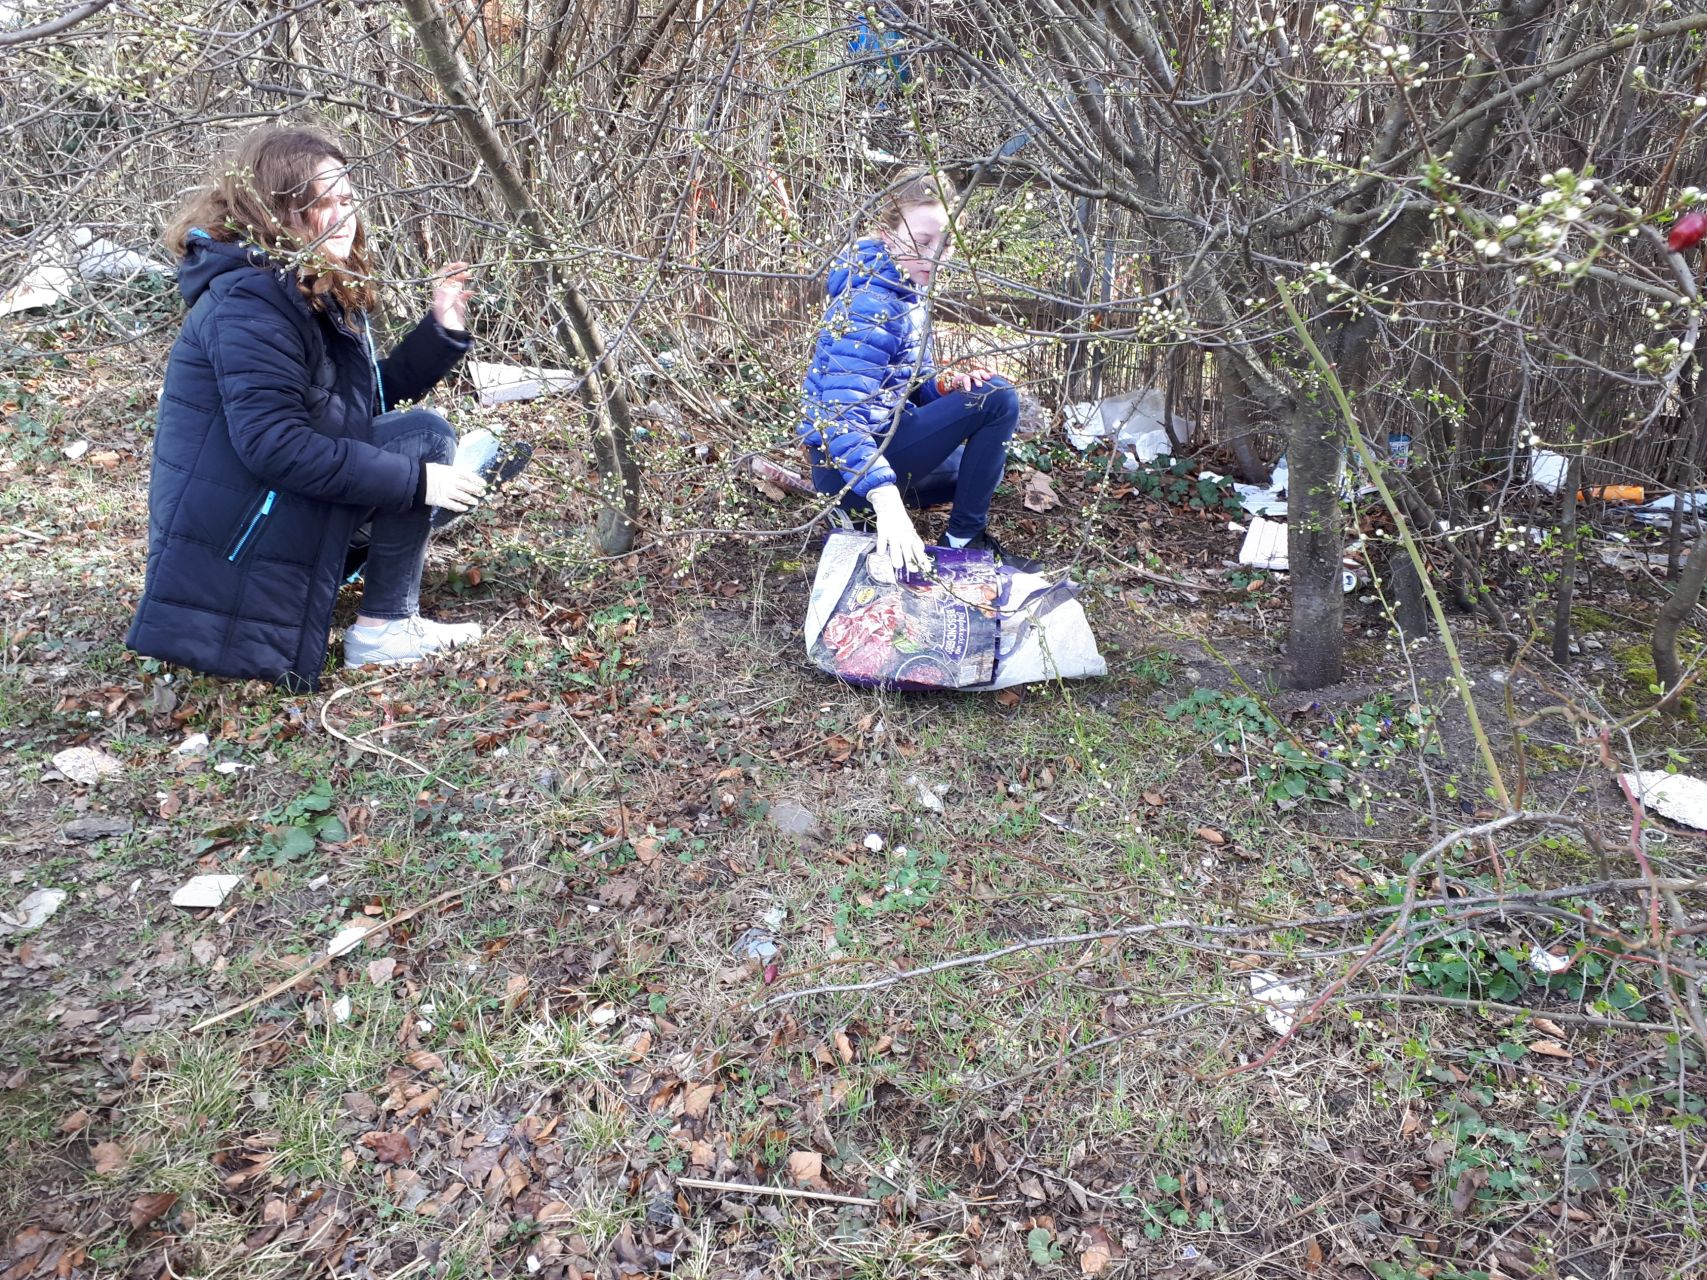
(1001, 401)
(438, 438)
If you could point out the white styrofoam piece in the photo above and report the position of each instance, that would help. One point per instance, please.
(205, 891)
(504, 383)
(1264, 546)
(1281, 1001)
(1671, 795)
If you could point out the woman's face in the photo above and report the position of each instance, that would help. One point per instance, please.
(330, 219)
(919, 243)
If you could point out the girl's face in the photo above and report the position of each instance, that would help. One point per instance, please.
(330, 219)
(919, 243)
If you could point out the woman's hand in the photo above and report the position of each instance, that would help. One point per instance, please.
(451, 295)
(452, 488)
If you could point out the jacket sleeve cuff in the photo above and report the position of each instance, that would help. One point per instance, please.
(879, 475)
(420, 488)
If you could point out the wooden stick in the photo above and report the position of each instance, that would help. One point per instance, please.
(362, 744)
(790, 1193)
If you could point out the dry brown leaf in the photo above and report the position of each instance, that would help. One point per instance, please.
(109, 1157)
(1155, 799)
(1039, 493)
(1211, 835)
(1550, 1049)
(844, 1047)
(1410, 1124)
(806, 1167)
(640, 1046)
(389, 1146)
(76, 1122)
(422, 1060)
(146, 1209)
(1008, 698)
(1094, 1260)
(420, 1104)
(1312, 1255)
(515, 991)
(697, 1098)
(379, 971)
(1550, 1027)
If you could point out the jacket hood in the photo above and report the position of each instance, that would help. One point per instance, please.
(206, 259)
(868, 260)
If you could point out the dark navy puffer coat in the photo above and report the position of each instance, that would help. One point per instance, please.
(873, 352)
(264, 467)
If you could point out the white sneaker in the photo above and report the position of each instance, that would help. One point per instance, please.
(405, 640)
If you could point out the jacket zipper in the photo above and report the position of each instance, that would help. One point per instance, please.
(265, 510)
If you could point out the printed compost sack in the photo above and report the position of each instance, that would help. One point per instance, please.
(972, 624)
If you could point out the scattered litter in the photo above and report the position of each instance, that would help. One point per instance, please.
(874, 842)
(757, 945)
(1265, 545)
(348, 939)
(193, 745)
(96, 827)
(342, 1009)
(794, 819)
(773, 918)
(318, 883)
(62, 260)
(504, 383)
(1671, 795)
(1659, 511)
(85, 765)
(929, 797)
(1545, 962)
(1281, 1001)
(76, 449)
(1135, 422)
(32, 912)
(229, 767)
(1618, 493)
(1547, 470)
(1266, 500)
(205, 891)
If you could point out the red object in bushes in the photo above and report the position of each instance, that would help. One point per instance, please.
(1688, 232)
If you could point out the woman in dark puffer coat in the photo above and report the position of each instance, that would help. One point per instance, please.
(886, 431)
(277, 439)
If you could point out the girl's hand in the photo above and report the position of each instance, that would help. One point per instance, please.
(969, 377)
(451, 295)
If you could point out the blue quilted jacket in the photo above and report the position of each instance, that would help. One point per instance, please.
(873, 352)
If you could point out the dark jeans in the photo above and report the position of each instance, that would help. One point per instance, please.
(397, 540)
(953, 450)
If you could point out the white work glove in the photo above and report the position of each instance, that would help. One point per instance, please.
(898, 543)
(453, 488)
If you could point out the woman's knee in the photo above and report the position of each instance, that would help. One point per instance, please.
(430, 437)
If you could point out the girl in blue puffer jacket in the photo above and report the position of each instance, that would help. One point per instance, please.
(884, 430)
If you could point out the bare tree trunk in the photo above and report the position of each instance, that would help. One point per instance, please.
(1567, 567)
(619, 475)
(1685, 599)
(1315, 543)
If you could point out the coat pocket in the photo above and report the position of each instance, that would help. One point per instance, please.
(248, 531)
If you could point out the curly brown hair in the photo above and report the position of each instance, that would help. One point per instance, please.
(260, 195)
